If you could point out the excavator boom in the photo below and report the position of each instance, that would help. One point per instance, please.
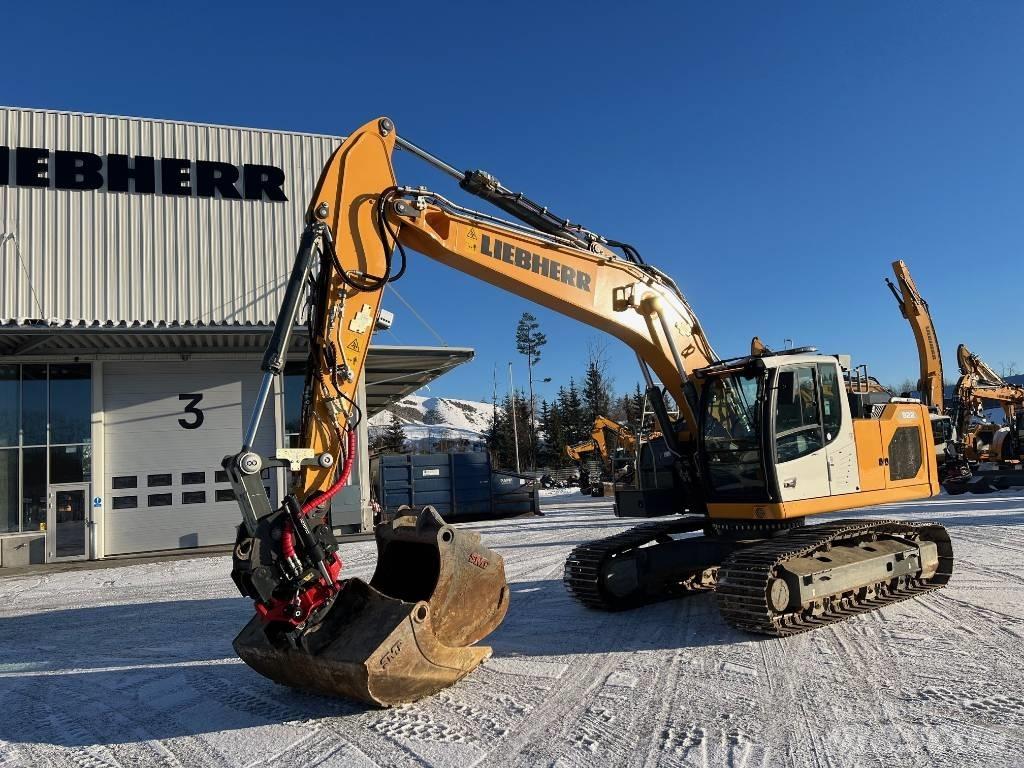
(915, 309)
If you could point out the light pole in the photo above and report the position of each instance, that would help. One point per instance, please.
(512, 402)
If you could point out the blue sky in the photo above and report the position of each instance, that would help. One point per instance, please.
(774, 158)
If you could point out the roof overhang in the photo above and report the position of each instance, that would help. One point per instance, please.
(392, 371)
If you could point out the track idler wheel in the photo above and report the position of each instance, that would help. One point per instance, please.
(407, 634)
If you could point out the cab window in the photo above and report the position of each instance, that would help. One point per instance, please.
(731, 433)
(832, 389)
(797, 415)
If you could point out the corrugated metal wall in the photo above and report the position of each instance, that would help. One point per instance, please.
(101, 256)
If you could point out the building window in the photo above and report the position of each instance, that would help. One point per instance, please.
(45, 436)
(225, 494)
(193, 478)
(220, 476)
(193, 497)
(125, 502)
(124, 481)
(10, 476)
(70, 464)
(33, 405)
(159, 500)
(33, 489)
(155, 481)
(10, 407)
(70, 403)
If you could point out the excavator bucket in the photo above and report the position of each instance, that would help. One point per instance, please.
(407, 634)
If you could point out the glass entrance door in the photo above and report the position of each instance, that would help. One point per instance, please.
(67, 522)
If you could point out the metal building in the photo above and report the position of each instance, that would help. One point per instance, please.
(141, 266)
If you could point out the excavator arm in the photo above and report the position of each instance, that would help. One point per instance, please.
(915, 309)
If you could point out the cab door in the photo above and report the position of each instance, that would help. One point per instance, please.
(801, 461)
(837, 425)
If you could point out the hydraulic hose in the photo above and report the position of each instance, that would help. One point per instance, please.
(287, 540)
(346, 471)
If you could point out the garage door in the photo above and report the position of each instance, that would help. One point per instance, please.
(168, 425)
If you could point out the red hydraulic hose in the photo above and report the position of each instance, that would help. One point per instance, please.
(287, 540)
(346, 470)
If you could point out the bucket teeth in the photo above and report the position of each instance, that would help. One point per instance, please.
(407, 634)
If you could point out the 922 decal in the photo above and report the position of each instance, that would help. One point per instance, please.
(197, 421)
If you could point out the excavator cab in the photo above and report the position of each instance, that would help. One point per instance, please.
(779, 440)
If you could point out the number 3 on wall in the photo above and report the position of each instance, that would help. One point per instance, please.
(197, 421)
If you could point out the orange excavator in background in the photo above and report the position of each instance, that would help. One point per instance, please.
(930, 383)
(977, 386)
(762, 444)
(607, 439)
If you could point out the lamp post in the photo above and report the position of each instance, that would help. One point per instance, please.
(512, 401)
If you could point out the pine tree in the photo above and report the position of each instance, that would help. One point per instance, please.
(498, 436)
(552, 453)
(433, 415)
(376, 441)
(575, 423)
(620, 409)
(393, 437)
(501, 434)
(596, 391)
(529, 342)
(634, 406)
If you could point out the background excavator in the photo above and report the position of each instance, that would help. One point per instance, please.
(761, 444)
(606, 455)
(977, 386)
(960, 442)
(930, 383)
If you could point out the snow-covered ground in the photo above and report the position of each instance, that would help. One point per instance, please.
(133, 666)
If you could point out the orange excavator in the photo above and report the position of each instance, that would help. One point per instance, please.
(952, 464)
(977, 386)
(607, 438)
(762, 444)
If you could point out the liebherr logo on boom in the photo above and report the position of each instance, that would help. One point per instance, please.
(533, 262)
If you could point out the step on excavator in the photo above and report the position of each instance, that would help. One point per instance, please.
(761, 443)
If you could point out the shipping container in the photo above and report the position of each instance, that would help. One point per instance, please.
(460, 486)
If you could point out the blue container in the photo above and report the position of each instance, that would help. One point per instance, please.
(460, 486)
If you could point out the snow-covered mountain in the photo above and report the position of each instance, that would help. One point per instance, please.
(457, 420)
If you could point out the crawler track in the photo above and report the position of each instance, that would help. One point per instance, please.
(587, 563)
(742, 590)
